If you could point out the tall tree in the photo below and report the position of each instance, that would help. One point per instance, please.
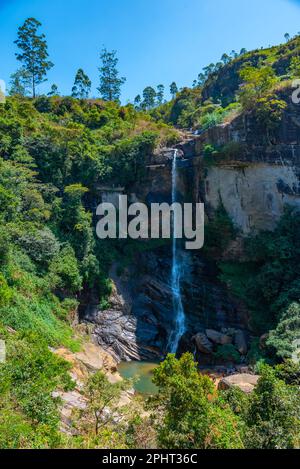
(173, 90)
(201, 79)
(137, 101)
(82, 85)
(33, 52)
(53, 91)
(209, 69)
(20, 83)
(287, 37)
(149, 95)
(186, 411)
(160, 94)
(110, 82)
(225, 59)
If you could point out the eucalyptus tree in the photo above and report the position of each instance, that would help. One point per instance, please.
(33, 52)
(110, 82)
(82, 85)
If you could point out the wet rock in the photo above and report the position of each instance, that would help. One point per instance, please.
(240, 342)
(243, 369)
(218, 337)
(138, 322)
(228, 331)
(115, 332)
(243, 381)
(203, 344)
(140, 319)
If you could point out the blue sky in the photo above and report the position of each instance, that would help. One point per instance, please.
(158, 41)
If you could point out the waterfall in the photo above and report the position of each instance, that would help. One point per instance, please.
(178, 312)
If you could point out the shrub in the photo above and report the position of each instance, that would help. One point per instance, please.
(187, 413)
(40, 245)
(287, 332)
(289, 372)
(227, 353)
(257, 84)
(5, 292)
(65, 270)
(273, 414)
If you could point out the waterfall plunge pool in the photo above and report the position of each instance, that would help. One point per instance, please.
(142, 373)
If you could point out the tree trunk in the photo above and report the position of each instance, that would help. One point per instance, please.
(33, 86)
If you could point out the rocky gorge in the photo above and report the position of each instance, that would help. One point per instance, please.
(253, 179)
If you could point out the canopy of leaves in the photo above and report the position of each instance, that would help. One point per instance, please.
(187, 412)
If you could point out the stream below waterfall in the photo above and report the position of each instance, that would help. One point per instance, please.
(141, 373)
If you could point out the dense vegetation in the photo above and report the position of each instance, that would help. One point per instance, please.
(189, 413)
(54, 153)
(239, 82)
(268, 282)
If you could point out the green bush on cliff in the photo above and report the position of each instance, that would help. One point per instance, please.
(219, 232)
(257, 95)
(294, 68)
(273, 416)
(257, 83)
(289, 372)
(269, 283)
(186, 411)
(227, 353)
(285, 339)
(53, 154)
(29, 415)
(270, 414)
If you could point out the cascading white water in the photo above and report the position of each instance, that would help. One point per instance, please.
(178, 311)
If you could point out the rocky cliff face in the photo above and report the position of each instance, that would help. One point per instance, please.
(139, 321)
(253, 179)
(223, 84)
(259, 175)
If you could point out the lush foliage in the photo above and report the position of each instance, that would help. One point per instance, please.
(33, 53)
(269, 283)
(110, 82)
(270, 414)
(187, 412)
(54, 152)
(29, 415)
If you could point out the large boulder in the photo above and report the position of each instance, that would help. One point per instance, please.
(240, 342)
(218, 337)
(203, 344)
(244, 381)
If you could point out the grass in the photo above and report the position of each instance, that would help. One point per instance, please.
(38, 315)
